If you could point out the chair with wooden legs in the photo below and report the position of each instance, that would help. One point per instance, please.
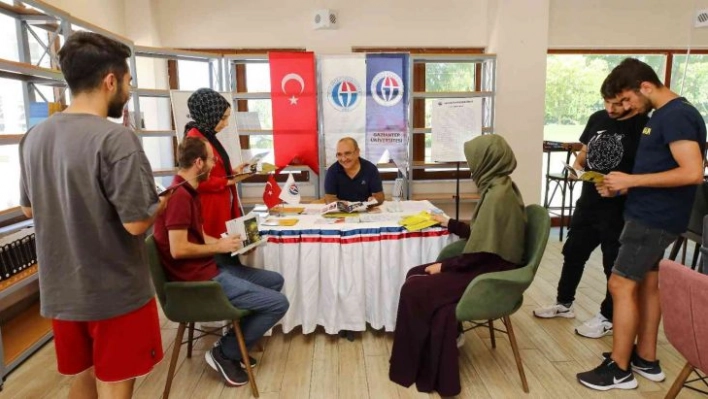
(684, 299)
(187, 303)
(498, 295)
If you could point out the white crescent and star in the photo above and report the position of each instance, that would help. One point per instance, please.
(297, 78)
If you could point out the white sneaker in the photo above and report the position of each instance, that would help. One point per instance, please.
(556, 310)
(460, 340)
(596, 327)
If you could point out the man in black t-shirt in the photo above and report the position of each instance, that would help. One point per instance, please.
(610, 142)
(660, 194)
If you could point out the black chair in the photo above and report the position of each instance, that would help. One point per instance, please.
(694, 232)
(560, 180)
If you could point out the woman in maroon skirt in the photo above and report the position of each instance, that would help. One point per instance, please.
(424, 346)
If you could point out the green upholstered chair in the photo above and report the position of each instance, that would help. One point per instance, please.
(189, 302)
(497, 295)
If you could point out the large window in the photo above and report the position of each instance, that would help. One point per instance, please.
(573, 89)
(695, 85)
(193, 75)
(8, 39)
(258, 81)
(573, 80)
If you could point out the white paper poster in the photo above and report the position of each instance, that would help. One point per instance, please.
(228, 137)
(454, 121)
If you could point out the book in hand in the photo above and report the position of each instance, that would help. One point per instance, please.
(588, 176)
(247, 228)
(347, 207)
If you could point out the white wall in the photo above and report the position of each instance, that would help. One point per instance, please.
(107, 14)
(625, 24)
(518, 31)
(519, 37)
(288, 23)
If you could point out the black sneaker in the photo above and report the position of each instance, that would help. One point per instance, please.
(607, 376)
(251, 360)
(233, 375)
(649, 370)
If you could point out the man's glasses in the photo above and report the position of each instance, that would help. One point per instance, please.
(345, 154)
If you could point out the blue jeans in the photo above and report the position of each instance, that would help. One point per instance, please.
(253, 289)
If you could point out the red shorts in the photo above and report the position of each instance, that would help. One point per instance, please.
(120, 348)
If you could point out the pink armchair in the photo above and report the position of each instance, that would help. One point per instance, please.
(684, 301)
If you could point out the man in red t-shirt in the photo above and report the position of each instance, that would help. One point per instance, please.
(187, 254)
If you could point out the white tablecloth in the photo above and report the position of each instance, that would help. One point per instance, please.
(342, 276)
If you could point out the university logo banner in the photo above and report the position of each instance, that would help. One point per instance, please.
(387, 109)
(343, 97)
(294, 102)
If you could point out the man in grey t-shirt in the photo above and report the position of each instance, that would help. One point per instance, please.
(88, 185)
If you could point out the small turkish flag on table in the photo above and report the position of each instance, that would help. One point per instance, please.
(271, 194)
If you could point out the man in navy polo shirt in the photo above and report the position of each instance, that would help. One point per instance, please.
(352, 178)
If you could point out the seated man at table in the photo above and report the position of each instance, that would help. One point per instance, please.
(352, 178)
(188, 254)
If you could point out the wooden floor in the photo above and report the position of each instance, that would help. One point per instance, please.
(323, 366)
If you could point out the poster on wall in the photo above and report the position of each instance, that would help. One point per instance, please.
(454, 121)
(228, 137)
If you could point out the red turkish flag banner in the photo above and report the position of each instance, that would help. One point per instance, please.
(271, 194)
(293, 90)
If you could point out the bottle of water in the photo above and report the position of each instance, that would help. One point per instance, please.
(396, 195)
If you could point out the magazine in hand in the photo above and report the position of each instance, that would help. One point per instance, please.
(247, 228)
(347, 207)
(589, 176)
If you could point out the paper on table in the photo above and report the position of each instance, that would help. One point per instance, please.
(376, 217)
(279, 222)
(418, 221)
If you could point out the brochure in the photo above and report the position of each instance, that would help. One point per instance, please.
(347, 207)
(247, 228)
(589, 176)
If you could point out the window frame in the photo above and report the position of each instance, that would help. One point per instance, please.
(237, 80)
(417, 122)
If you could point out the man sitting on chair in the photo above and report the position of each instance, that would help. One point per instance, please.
(187, 254)
(352, 178)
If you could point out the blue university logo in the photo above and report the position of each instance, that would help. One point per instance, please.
(387, 88)
(293, 190)
(344, 93)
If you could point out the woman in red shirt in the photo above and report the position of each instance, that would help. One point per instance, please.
(210, 112)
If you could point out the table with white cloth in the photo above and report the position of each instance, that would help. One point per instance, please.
(344, 275)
